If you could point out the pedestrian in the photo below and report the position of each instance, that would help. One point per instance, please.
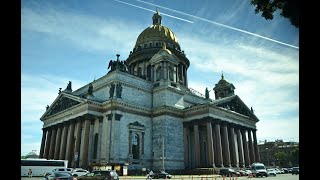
(151, 174)
(30, 173)
(75, 177)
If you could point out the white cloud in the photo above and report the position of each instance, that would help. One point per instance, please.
(286, 129)
(89, 33)
(27, 147)
(39, 91)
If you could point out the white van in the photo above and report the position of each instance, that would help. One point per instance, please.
(258, 169)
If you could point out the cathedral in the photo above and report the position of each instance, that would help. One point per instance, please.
(142, 114)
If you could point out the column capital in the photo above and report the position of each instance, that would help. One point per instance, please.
(109, 116)
(224, 123)
(217, 121)
(237, 127)
(65, 123)
(90, 117)
(59, 125)
(117, 117)
(244, 129)
(231, 125)
(100, 118)
(54, 127)
(78, 119)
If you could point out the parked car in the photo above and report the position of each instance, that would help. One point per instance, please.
(58, 175)
(160, 174)
(62, 170)
(271, 172)
(100, 175)
(79, 172)
(228, 172)
(295, 170)
(242, 172)
(259, 169)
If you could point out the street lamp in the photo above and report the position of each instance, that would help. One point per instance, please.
(162, 157)
(267, 157)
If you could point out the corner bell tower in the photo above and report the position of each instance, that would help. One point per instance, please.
(223, 88)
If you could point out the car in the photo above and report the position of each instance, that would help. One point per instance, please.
(228, 172)
(160, 174)
(277, 171)
(285, 170)
(242, 172)
(100, 175)
(79, 172)
(58, 175)
(295, 170)
(258, 169)
(271, 172)
(62, 170)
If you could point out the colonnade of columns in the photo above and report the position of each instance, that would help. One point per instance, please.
(63, 141)
(179, 72)
(225, 145)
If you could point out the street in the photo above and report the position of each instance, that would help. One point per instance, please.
(196, 177)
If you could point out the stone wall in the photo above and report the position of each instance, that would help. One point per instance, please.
(169, 130)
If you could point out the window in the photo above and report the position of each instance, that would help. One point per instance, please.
(158, 73)
(171, 73)
(135, 145)
(136, 140)
(95, 146)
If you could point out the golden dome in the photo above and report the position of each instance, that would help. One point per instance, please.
(157, 33)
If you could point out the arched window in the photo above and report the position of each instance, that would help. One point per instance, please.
(135, 145)
(158, 73)
(136, 141)
(171, 71)
(149, 72)
(95, 146)
(139, 71)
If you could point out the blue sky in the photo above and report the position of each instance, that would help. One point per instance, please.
(74, 40)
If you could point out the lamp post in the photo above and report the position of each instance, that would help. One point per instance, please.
(162, 154)
(267, 157)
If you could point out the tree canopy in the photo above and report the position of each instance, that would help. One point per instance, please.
(289, 9)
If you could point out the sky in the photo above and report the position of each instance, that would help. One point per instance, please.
(74, 41)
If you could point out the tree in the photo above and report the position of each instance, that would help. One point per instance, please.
(289, 9)
(295, 156)
(281, 157)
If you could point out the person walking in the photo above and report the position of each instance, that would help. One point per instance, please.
(75, 177)
(30, 173)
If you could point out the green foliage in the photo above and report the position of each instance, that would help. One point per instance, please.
(281, 157)
(289, 9)
(295, 156)
(23, 157)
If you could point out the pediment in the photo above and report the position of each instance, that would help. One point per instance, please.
(237, 105)
(163, 55)
(62, 103)
(136, 123)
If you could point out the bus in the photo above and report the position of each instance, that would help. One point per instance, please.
(41, 166)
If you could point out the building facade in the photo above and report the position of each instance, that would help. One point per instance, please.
(279, 153)
(143, 113)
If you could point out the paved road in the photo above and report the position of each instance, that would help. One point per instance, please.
(177, 177)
